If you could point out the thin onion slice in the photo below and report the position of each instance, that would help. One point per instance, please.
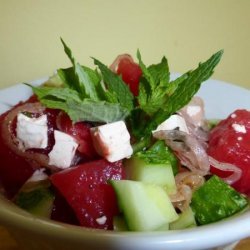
(188, 149)
(235, 176)
(9, 138)
(187, 182)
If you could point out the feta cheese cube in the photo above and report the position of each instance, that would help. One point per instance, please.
(173, 122)
(112, 141)
(63, 151)
(32, 132)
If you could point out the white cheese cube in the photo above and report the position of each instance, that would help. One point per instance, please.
(173, 122)
(112, 141)
(32, 132)
(63, 151)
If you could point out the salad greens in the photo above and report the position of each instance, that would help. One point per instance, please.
(102, 96)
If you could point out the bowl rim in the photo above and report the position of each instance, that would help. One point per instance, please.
(13, 217)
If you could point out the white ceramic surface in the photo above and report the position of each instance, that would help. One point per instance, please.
(220, 99)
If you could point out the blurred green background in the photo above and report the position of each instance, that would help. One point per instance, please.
(185, 31)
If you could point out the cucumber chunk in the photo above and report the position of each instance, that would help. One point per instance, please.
(186, 219)
(154, 166)
(146, 207)
(36, 198)
(216, 200)
(159, 174)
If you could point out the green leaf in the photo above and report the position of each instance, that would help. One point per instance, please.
(72, 80)
(153, 86)
(145, 72)
(119, 91)
(160, 72)
(185, 90)
(88, 110)
(68, 77)
(69, 101)
(96, 111)
(173, 85)
(84, 80)
(55, 93)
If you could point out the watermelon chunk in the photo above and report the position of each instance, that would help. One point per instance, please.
(86, 189)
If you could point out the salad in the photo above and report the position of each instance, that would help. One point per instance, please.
(125, 148)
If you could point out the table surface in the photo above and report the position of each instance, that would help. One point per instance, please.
(8, 243)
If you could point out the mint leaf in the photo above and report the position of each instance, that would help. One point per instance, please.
(146, 73)
(153, 86)
(88, 110)
(160, 72)
(84, 80)
(96, 111)
(69, 101)
(173, 85)
(60, 94)
(68, 77)
(187, 88)
(184, 91)
(118, 90)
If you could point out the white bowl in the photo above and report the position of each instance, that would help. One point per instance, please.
(36, 233)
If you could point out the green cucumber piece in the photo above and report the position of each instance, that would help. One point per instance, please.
(154, 166)
(186, 220)
(159, 174)
(146, 207)
(216, 200)
(36, 197)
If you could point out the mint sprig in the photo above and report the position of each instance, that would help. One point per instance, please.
(88, 95)
(100, 95)
(82, 82)
(117, 90)
(159, 98)
(153, 86)
(69, 101)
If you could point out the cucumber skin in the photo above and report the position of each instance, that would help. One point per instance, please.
(146, 207)
(216, 200)
(38, 201)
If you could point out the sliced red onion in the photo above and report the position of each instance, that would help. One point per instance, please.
(187, 182)
(189, 178)
(9, 138)
(188, 149)
(235, 176)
